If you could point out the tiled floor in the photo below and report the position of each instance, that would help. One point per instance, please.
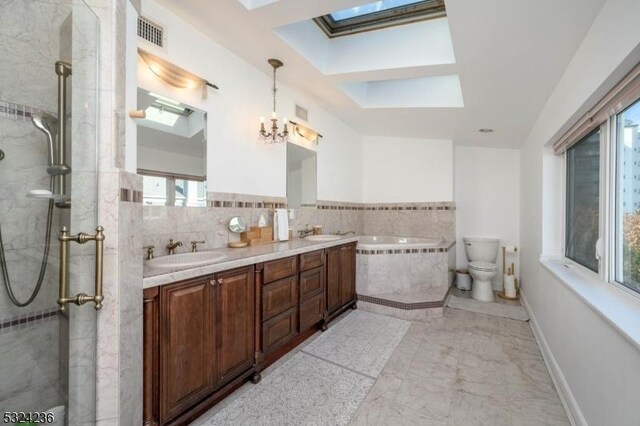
(464, 369)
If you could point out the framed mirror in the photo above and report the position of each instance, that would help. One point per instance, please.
(302, 173)
(172, 152)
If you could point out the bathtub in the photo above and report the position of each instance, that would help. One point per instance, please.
(404, 277)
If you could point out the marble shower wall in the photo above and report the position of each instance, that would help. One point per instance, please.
(32, 338)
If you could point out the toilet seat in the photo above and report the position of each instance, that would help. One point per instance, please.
(479, 265)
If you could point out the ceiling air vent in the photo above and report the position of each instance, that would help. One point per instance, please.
(150, 31)
(302, 113)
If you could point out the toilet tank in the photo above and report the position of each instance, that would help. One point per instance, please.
(481, 249)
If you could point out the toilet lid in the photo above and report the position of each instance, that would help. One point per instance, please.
(482, 266)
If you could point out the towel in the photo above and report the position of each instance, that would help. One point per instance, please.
(282, 217)
(275, 225)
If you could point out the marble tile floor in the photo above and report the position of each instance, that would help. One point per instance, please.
(500, 307)
(462, 369)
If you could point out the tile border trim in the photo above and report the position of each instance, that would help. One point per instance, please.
(28, 318)
(131, 196)
(405, 306)
(402, 251)
(17, 112)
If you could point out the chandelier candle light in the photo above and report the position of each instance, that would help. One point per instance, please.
(274, 136)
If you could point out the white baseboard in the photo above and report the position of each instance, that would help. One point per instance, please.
(564, 391)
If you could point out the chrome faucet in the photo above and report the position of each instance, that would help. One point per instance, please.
(342, 234)
(172, 246)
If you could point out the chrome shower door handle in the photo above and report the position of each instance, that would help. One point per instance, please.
(80, 299)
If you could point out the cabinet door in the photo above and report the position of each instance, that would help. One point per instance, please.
(279, 296)
(187, 346)
(334, 295)
(235, 312)
(347, 273)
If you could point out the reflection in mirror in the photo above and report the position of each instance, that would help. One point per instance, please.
(301, 176)
(237, 224)
(172, 152)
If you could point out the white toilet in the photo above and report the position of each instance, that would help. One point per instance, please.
(481, 254)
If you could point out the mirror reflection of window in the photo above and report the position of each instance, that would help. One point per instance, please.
(172, 152)
(302, 174)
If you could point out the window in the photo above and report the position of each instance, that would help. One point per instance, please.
(583, 201)
(602, 209)
(162, 189)
(627, 227)
(379, 14)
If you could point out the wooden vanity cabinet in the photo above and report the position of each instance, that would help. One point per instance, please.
(235, 309)
(341, 278)
(188, 345)
(199, 335)
(205, 336)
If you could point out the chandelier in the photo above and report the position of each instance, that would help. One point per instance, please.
(274, 136)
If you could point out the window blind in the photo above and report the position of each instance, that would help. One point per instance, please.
(620, 97)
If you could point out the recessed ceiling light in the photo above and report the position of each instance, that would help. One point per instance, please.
(485, 130)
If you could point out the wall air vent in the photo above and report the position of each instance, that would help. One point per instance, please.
(302, 113)
(150, 31)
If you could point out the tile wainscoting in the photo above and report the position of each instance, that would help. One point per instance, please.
(435, 219)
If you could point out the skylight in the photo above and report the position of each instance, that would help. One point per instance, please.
(379, 14)
(366, 9)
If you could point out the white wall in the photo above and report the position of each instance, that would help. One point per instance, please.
(487, 196)
(236, 161)
(407, 170)
(601, 368)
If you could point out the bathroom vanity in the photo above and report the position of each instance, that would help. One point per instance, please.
(204, 336)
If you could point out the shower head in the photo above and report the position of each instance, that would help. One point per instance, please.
(48, 125)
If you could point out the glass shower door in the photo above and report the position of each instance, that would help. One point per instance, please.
(48, 180)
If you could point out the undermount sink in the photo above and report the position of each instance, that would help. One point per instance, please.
(184, 260)
(323, 237)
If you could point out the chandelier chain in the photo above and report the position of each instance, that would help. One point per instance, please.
(275, 89)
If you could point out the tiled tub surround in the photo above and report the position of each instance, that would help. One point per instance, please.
(405, 281)
(239, 257)
(428, 220)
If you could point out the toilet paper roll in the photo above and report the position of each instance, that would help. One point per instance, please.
(511, 249)
(510, 286)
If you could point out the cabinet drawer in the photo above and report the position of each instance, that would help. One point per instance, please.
(279, 330)
(278, 269)
(311, 282)
(279, 296)
(310, 260)
(311, 311)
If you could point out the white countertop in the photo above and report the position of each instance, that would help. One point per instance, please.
(238, 257)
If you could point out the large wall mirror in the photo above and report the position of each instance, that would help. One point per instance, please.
(172, 152)
(302, 173)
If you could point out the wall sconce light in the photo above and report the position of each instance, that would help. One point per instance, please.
(173, 74)
(306, 132)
